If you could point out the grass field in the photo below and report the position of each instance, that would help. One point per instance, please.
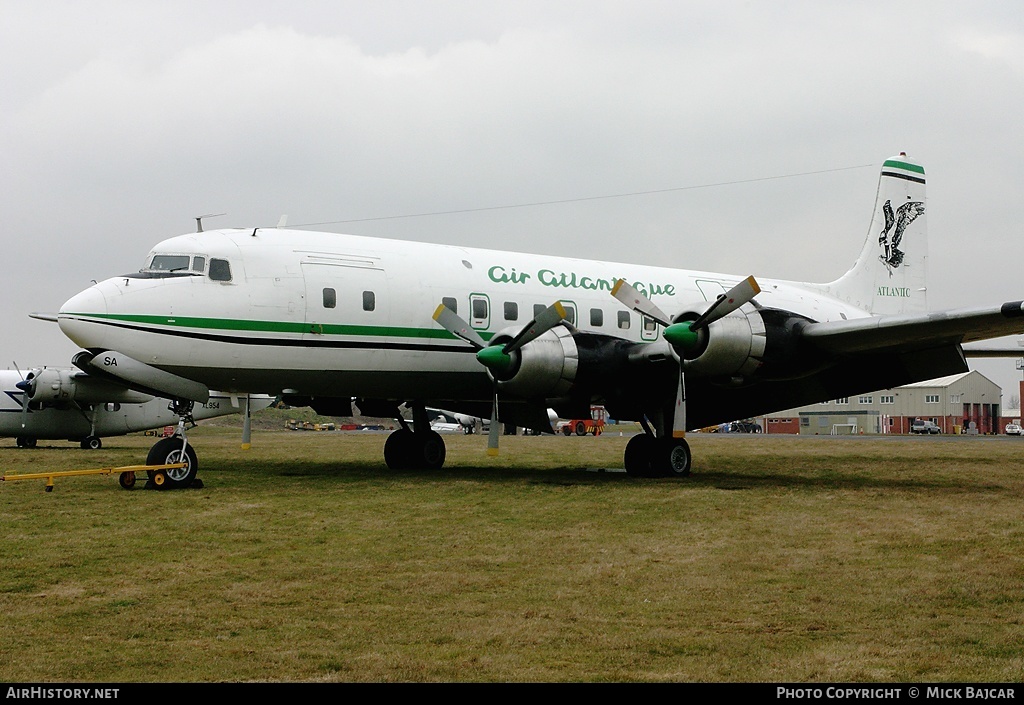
(303, 559)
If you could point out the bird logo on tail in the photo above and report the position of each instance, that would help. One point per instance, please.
(906, 214)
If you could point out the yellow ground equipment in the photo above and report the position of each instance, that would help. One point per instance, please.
(126, 474)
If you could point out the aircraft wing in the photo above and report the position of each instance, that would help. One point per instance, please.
(916, 331)
(993, 351)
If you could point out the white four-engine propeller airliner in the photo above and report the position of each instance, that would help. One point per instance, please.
(325, 318)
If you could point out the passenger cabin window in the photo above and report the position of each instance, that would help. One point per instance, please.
(369, 301)
(624, 320)
(596, 317)
(511, 311)
(330, 298)
(220, 270)
(538, 309)
(650, 324)
(450, 303)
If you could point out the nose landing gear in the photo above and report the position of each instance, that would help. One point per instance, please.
(172, 451)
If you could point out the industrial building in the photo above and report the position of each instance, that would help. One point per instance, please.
(962, 403)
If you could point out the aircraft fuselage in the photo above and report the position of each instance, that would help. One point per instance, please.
(338, 315)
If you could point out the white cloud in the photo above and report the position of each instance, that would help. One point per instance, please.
(1006, 48)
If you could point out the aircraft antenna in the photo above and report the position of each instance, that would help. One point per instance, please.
(199, 220)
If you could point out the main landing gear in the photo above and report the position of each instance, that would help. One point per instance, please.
(648, 456)
(412, 449)
(172, 450)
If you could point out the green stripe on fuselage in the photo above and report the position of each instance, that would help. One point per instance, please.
(248, 326)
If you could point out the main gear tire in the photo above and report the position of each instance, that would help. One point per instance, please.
(640, 456)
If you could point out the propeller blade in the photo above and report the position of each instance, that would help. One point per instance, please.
(634, 300)
(679, 416)
(493, 432)
(728, 302)
(452, 323)
(26, 387)
(545, 321)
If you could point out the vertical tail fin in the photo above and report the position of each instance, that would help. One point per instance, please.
(890, 275)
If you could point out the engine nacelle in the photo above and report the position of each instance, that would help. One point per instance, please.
(49, 386)
(761, 344)
(732, 346)
(543, 368)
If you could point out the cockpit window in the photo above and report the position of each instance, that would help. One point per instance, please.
(170, 263)
(172, 266)
(177, 264)
(220, 270)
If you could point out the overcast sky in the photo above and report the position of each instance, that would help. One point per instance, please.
(761, 126)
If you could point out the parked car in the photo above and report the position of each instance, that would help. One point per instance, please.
(1013, 429)
(923, 426)
(442, 426)
(740, 427)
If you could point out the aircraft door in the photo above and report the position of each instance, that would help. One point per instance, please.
(115, 415)
(710, 289)
(648, 328)
(480, 311)
(570, 311)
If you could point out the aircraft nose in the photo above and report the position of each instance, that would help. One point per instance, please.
(76, 311)
(90, 301)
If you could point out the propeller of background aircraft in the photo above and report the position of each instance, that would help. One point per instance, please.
(685, 336)
(498, 358)
(25, 386)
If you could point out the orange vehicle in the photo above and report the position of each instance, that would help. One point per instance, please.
(581, 427)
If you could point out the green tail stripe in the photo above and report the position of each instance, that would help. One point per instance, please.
(906, 166)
